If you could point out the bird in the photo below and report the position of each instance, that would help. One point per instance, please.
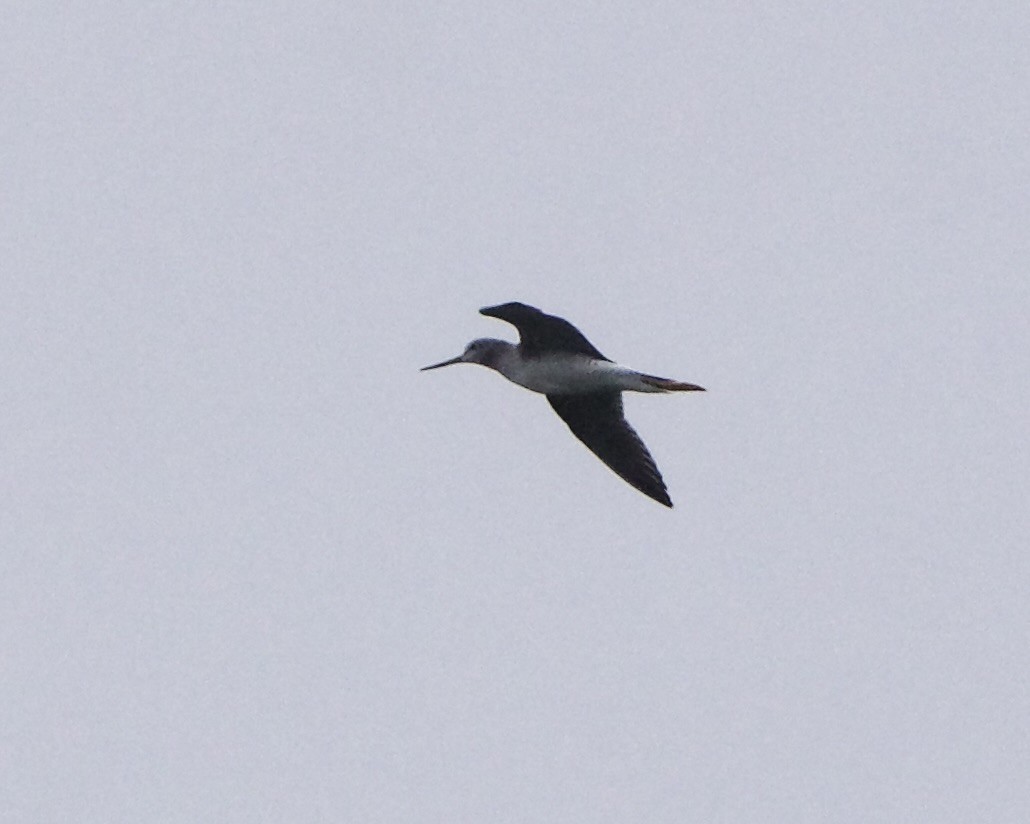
(583, 386)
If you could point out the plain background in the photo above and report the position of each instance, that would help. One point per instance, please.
(255, 567)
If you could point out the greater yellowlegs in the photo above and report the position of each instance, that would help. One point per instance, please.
(582, 385)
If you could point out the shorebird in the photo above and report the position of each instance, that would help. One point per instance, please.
(582, 385)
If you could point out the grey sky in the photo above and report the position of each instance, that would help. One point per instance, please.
(255, 567)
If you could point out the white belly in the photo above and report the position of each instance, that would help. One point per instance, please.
(570, 374)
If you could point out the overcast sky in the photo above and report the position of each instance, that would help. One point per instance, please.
(254, 566)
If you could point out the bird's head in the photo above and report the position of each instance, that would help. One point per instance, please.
(484, 351)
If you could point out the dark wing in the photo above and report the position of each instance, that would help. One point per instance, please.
(540, 333)
(597, 420)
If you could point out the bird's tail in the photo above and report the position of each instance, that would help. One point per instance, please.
(668, 385)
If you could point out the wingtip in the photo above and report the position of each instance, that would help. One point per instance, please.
(501, 310)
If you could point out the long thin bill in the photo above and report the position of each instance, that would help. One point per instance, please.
(444, 363)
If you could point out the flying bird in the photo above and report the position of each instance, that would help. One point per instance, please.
(582, 385)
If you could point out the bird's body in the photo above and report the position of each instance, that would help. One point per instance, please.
(582, 385)
(563, 373)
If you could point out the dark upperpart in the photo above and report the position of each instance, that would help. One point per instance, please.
(540, 333)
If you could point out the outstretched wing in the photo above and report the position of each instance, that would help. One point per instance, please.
(540, 333)
(597, 420)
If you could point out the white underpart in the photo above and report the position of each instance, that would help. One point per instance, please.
(571, 374)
